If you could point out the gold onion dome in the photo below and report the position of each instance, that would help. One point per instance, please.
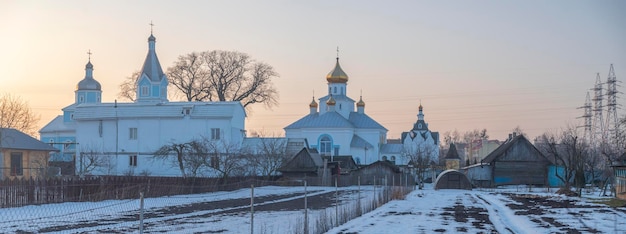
(361, 102)
(331, 101)
(313, 104)
(337, 75)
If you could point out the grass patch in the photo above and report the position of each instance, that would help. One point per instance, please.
(612, 202)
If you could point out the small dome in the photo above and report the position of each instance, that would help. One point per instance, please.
(313, 104)
(88, 84)
(361, 103)
(420, 107)
(151, 38)
(337, 75)
(331, 101)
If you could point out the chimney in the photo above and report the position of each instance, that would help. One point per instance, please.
(510, 136)
(514, 134)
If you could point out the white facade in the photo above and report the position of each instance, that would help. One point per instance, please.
(130, 133)
(420, 141)
(336, 128)
(125, 136)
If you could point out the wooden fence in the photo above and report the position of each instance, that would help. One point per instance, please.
(21, 192)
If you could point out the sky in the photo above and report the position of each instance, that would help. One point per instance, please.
(471, 64)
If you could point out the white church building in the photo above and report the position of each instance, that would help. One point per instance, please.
(335, 128)
(129, 133)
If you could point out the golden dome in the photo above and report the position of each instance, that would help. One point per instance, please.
(337, 75)
(313, 104)
(331, 101)
(360, 103)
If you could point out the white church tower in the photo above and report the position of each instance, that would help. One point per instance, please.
(152, 82)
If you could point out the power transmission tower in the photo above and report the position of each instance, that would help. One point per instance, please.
(587, 118)
(598, 122)
(611, 110)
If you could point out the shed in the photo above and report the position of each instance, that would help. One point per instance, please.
(452, 179)
(378, 172)
(304, 163)
(517, 161)
(341, 164)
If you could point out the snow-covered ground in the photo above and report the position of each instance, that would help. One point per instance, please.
(280, 210)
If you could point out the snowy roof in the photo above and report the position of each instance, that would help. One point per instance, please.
(156, 110)
(335, 120)
(14, 139)
(326, 120)
(360, 142)
(58, 125)
(391, 148)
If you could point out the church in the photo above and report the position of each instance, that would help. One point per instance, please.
(121, 138)
(334, 128)
(126, 135)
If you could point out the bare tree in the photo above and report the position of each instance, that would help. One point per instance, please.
(224, 76)
(568, 151)
(189, 76)
(268, 155)
(179, 150)
(224, 157)
(16, 113)
(420, 157)
(128, 88)
(91, 158)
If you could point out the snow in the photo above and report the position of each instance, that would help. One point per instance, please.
(422, 211)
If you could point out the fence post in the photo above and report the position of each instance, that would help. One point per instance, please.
(252, 209)
(141, 213)
(306, 218)
(336, 204)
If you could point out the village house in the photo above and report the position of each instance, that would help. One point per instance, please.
(22, 156)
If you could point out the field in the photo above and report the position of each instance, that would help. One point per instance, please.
(281, 210)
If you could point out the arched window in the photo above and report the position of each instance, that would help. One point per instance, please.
(325, 145)
(335, 90)
(393, 158)
(384, 158)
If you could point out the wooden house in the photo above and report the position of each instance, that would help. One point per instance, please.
(306, 164)
(516, 161)
(22, 156)
(341, 164)
(619, 168)
(381, 172)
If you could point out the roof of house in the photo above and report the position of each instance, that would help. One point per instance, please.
(382, 163)
(58, 125)
(391, 148)
(292, 165)
(87, 111)
(452, 153)
(13, 139)
(346, 160)
(359, 142)
(506, 146)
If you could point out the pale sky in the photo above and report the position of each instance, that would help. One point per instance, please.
(473, 64)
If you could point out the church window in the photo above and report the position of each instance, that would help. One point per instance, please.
(325, 145)
(342, 90)
(132, 160)
(384, 158)
(335, 90)
(393, 158)
(144, 90)
(81, 99)
(215, 133)
(132, 134)
(419, 126)
(339, 106)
